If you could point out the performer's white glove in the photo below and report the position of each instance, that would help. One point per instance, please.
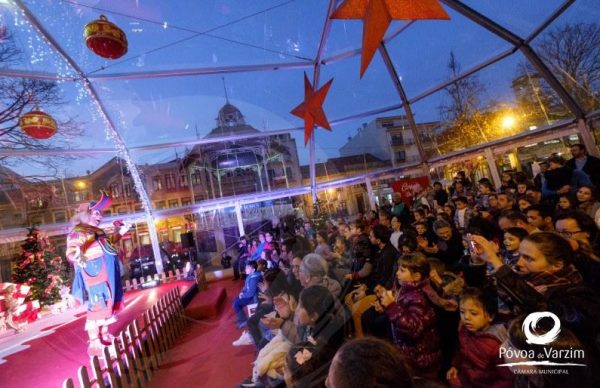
(78, 257)
(125, 228)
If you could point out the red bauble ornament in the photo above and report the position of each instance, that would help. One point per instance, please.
(105, 38)
(38, 124)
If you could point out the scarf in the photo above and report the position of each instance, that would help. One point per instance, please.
(546, 282)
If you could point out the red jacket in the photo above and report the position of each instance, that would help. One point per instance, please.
(478, 358)
(415, 331)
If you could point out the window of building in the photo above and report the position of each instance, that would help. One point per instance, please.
(186, 201)
(122, 210)
(196, 178)
(397, 140)
(60, 217)
(127, 188)
(77, 196)
(173, 203)
(288, 172)
(159, 205)
(183, 180)
(138, 208)
(157, 183)
(170, 181)
(115, 190)
(401, 156)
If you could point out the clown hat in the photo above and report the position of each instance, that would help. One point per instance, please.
(104, 202)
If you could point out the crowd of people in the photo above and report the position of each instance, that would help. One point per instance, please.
(443, 291)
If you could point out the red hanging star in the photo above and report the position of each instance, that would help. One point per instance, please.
(377, 15)
(311, 109)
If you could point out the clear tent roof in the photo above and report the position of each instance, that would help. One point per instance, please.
(187, 59)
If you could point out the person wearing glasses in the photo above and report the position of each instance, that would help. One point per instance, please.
(546, 281)
(581, 231)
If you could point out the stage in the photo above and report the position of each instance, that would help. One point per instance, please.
(54, 347)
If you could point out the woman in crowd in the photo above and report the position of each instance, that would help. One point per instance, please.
(547, 281)
(581, 232)
(313, 271)
(322, 249)
(340, 259)
(588, 203)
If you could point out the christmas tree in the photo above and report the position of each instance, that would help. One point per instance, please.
(320, 215)
(41, 268)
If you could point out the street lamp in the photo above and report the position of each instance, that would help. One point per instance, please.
(508, 121)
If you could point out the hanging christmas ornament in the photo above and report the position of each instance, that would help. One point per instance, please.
(38, 124)
(105, 38)
(311, 109)
(377, 15)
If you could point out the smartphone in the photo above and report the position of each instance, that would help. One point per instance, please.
(471, 244)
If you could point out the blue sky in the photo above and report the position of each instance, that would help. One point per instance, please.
(156, 110)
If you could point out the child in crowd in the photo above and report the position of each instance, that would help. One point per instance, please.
(477, 360)
(463, 213)
(249, 293)
(512, 240)
(267, 256)
(414, 325)
(262, 265)
(307, 364)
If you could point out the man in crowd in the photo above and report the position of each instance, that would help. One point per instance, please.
(588, 164)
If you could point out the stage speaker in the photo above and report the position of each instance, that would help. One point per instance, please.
(187, 240)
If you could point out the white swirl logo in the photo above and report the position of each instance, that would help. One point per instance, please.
(530, 327)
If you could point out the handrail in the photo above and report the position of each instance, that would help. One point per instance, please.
(137, 352)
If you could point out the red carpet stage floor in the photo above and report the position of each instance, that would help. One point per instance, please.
(203, 356)
(53, 348)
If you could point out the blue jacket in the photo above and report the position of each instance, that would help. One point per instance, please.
(250, 289)
(578, 179)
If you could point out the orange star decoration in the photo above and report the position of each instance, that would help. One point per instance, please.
(311, 109)
(377, 15)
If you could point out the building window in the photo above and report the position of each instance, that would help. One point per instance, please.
(159, 205)
(186, 201)
(397, 140)
(127, 189)
(157, 183)
(115, 190)
(122, 210)
(77, 196)
(196, 178)
(173, 203)
(169, 182)
(60, 217)
(183, 181)
(107, 213)
(400, 156)
(288, 172)
(138, 208)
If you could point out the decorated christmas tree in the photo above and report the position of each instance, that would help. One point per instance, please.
(41, 268)
(320, 215)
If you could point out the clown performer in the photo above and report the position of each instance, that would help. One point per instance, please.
(97, 273)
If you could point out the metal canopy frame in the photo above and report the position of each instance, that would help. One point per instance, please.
(516, 42)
